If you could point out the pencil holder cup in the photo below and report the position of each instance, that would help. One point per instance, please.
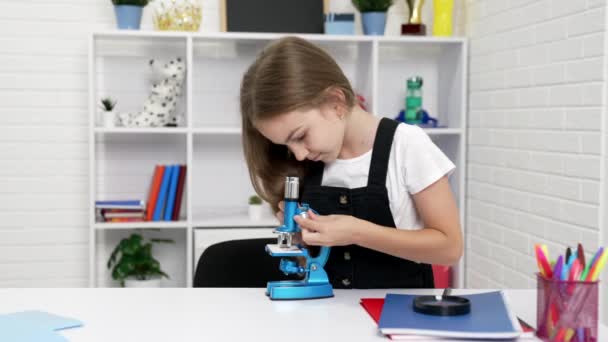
(566, 310)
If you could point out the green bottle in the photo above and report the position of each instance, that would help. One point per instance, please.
(413, 100)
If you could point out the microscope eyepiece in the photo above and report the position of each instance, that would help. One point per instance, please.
(292, 188)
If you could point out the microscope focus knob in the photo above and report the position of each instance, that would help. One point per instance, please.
(290, 267)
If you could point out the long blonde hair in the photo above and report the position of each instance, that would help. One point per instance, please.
(289, 74)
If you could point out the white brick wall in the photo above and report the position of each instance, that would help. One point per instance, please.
(537, 75)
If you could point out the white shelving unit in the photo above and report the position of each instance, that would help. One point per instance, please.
(214, 206)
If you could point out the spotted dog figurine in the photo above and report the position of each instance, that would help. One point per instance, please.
(160, 106)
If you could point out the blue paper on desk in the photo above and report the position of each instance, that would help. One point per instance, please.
(34, 326)
(489, 318)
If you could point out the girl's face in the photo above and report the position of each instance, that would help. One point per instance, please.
(315, 134)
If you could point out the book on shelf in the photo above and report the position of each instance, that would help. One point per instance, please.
(159, 171)
(180, 192)
(121, 204)
(161, 200)
(166, 192)
(125, 219)
(120, 215)
(164, 199)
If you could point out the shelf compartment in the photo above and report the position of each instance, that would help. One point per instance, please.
(441, 64)
(125, 165)
(172, 256)
(130, 56)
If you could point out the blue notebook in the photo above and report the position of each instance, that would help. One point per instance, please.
(490, 318)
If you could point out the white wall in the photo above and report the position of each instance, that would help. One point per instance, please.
(536, 101)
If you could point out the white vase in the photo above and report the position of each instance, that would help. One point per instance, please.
(256, 212)
(132, 282)
(108, 119)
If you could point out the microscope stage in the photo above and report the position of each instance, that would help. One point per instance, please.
(275, 250)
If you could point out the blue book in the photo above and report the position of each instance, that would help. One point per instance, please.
(490, 318)
(162, 194)
(120, 204)
(172, 192)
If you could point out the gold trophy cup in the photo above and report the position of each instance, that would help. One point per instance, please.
(414, 25)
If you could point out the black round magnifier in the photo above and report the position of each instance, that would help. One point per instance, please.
(444, 305)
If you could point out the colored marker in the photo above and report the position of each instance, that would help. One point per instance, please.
(580, 334)
(599, 264)
(590, 264)
(581, 255)
(575, 271)
(569, 334)
(546, 251)
(567, 266)
(557, 271)
(543, 263)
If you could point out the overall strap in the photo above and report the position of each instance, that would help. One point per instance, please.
(381, 152)
(315, 175)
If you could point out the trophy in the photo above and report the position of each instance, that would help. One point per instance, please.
(414, 25)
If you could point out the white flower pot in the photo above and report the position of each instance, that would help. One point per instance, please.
(108, 119)
(132, 282)
(256, 212)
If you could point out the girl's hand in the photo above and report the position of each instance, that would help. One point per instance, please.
(330, 230)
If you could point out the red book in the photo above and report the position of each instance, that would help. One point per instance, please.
(125, 219)
(180, 191)
(159, 170)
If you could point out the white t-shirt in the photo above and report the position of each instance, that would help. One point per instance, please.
(415, 162)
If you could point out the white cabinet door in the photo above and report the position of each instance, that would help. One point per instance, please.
(205, 237)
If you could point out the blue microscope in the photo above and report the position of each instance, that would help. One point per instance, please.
(315, 283)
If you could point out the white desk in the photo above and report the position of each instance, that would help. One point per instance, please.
(218, 314)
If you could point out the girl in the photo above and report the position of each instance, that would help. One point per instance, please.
(380, 187)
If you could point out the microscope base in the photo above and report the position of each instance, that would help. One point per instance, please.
(278, 290)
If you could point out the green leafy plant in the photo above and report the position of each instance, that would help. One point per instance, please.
(372, 5)
(132, 257)
(255, 200)
(140, 3)
(107, 104)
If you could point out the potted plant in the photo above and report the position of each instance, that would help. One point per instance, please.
(128, 13)
(132, 262)
(373, 15)
(108, 116)
(255, 208)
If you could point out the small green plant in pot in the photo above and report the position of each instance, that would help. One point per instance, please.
(108, 115)
(373, 15)
(128, 13)
(255, 207)
(132, 263)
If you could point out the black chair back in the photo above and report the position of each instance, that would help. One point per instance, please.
(238, 263)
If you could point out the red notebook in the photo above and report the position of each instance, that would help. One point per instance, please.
(373, 306)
